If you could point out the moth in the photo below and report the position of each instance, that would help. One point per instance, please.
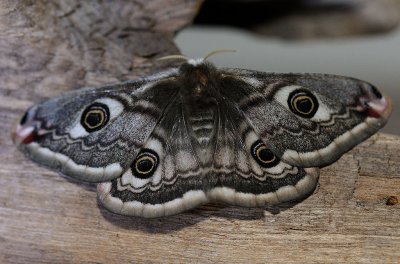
(169, 142)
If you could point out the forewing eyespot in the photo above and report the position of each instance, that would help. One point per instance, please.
(145, 164)
(264, 156)
(95, 117)
(303, 103)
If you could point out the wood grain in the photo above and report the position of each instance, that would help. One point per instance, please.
(45, 218)
(51, 46)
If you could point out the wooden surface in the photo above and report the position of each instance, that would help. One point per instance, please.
(45, 218)
(47, 47)
(49, 219)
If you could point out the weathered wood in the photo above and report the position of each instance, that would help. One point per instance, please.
(52, 46)
(45, 218)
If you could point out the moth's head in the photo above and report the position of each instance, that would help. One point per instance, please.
(199, 81)
(198, 72)
(199, 76)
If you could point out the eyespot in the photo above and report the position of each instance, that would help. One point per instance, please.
(303, 103)
(264, 157)
(145, 164)
(95, 117)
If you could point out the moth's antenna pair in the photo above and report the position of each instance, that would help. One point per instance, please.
(183, 57)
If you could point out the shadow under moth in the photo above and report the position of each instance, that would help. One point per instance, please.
(169, 142)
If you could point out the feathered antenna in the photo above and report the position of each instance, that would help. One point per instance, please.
(183, 57)
(218, 51)
(174, 57)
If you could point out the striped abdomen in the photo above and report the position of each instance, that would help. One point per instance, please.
(202, 123)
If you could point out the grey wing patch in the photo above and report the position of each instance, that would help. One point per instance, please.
(308, 119)
(94, 134)
(174, 186)
(245, 172)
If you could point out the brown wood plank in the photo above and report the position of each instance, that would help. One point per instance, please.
(45, 218)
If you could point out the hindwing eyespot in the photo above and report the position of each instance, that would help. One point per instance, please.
(264, 156)
(145, 164)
